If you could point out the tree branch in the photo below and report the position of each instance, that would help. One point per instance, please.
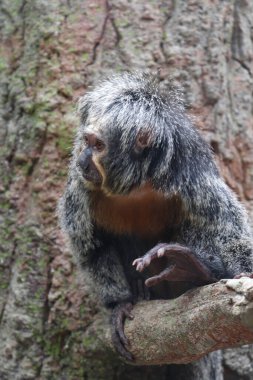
(184, 329)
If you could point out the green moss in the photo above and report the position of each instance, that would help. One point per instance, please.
(52, 346)
(62, 173)
(34, 308)
(64, 145)
(85, 56)
(34, 109)
(72, 17)
(26, 168)
(42, 262)
(5, 205)
(4, 255)
(122, 23)
(65, 141)
(3, 64)
(88, 341)
(65, 323)
(45, 163)
(66, 91)
(83, 311)
(21, 159)
(4, 285)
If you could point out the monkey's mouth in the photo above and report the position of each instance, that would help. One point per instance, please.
(92, 176)
(90, 173)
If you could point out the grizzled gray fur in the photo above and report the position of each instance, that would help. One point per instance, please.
(179, 162)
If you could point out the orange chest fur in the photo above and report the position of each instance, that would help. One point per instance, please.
(145, 212)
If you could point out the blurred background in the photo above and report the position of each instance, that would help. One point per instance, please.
(50, 52)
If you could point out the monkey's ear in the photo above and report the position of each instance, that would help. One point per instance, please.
(143, 141)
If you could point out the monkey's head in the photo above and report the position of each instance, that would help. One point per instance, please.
(124, 140)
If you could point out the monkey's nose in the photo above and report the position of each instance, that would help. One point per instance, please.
(84, 160)
(83, 163)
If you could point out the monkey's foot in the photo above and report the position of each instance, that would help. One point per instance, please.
(240, 275)
(120, 341)
(181, 265)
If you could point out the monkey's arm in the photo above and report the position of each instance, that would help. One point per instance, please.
(112, 286)
(180, 265)
(108, 276)
(95, 252)
(92, 247)
(238, 256)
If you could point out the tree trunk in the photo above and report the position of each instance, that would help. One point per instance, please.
(50, 52)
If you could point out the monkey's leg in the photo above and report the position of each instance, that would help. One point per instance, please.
(120, 341)
(123, 311)
(181, 265)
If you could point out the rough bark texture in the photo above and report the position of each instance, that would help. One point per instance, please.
(187, 328)
(50, 52)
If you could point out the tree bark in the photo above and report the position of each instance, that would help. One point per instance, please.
(187, 328)
(50, 52)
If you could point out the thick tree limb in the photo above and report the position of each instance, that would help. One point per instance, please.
(182, 330)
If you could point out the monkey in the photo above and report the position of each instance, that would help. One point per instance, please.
(145, 208)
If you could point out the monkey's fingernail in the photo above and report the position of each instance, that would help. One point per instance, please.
(137, 261)
(139, 267)
(160, 252)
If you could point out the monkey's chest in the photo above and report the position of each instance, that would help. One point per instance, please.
(146, 214)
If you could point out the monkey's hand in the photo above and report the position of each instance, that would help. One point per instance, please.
(179, 262)
(120, 341)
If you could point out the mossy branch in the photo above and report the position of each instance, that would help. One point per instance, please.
(184, 329)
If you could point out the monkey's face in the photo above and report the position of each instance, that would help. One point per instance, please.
(113, 165)
(88, 160)
(127, 131)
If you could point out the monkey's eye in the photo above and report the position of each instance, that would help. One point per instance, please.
(142, 142)
(99, 145)
(86, 140)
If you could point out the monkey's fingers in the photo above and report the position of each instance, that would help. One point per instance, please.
(143, 262)
(189, 267)
(170, 249)
(164, 275)
(119, 314)
(123, 313)
(120, 330)
(183, 266)
(120, 347)
(139, 264)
